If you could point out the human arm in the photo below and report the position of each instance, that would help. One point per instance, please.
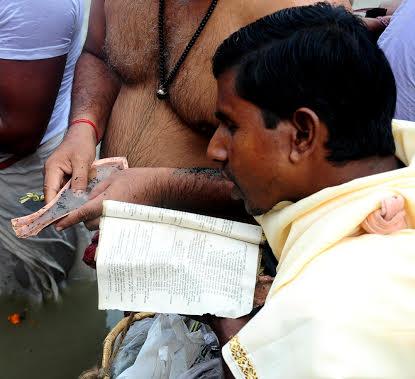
(225, 329)
(28, 90)
(195, 190)
(377, 25)
(94, 92)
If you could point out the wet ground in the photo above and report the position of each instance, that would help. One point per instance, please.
(56, 340)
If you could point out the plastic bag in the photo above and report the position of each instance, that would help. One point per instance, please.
(131, 346)
(170, 351)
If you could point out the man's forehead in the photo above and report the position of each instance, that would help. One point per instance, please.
(226, 83)
(227, 93)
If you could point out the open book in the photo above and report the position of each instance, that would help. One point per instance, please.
(160, 260)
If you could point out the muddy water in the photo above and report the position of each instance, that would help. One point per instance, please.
(57, 340)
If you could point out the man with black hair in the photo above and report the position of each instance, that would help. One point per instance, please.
(305, 104)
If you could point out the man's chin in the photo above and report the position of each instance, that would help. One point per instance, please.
(253, 211)
(236, 194)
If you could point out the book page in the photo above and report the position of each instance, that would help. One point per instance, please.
(156, 267)
(227, 228)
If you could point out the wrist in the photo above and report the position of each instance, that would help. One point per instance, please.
(81, 134)
(86, 124)
(225, 328)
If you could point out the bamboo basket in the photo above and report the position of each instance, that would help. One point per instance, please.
(109, 351)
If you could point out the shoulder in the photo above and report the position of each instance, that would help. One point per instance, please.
(43, 31)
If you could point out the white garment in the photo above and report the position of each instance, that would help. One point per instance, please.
(398, 44)
(41, 29)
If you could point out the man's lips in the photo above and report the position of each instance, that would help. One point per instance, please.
(225, 175)
(236, 193)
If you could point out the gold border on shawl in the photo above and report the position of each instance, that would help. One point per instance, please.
(241, 358)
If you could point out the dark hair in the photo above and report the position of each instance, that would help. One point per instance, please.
(323, 58)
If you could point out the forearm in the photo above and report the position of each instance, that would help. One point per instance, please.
(377, 25)
(94, 92)
(225, 329)
(200, 190)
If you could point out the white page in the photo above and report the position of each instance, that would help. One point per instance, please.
(227, 228)
(150, 267)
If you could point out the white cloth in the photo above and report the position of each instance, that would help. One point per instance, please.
(41, 29)
(398, 44)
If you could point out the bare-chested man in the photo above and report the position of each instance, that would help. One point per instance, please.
(115, 87)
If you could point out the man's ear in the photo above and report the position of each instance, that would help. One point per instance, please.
(306, 128)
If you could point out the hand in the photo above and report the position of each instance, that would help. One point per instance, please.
(377, 25)
(134, 185)
(73, 157)
(226, 328)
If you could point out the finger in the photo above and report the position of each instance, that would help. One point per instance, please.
(93, 224)
(80, 175)
(100, 188)
(52, 183)
(90, 211)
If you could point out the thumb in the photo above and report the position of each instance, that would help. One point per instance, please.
(90, 211)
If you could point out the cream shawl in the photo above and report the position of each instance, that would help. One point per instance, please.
(343, 302)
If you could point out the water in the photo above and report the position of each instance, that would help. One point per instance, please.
(57, 340)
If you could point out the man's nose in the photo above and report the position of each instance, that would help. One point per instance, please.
(216, 150)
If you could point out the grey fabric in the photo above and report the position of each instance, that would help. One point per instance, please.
(211, 369)
(33, 267)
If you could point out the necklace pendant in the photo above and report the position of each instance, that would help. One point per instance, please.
(161, 93)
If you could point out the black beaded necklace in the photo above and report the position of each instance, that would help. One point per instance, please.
(166, 80)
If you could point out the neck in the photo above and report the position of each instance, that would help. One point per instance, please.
(335, 175)
(367, 167)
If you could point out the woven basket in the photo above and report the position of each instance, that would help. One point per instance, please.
(109, 350)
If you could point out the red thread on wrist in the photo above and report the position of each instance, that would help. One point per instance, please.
(86, 121)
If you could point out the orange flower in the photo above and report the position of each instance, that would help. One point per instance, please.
(14, 318)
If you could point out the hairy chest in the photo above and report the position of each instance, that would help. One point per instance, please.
(133, 49)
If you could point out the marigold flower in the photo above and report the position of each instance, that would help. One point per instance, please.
(14, 318)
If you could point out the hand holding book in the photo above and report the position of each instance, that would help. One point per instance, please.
(165, 261)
